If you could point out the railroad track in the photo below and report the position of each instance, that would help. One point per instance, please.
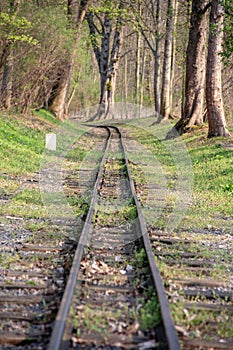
(114, 296)
(114, 290)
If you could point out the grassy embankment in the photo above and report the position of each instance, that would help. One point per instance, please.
(210, 163)
(22, 143)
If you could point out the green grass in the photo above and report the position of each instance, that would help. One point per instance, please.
(22, 142)
(211, 195)
(116, 216)
(46, 116)
(202, 322)
(149, 314)
(212, 190)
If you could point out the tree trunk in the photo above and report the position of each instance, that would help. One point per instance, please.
(4, 52)
(157, 58)
(107, 57)
(195, 68)
(138, 59)
(166, 80)
(102, 56)
(57, 101)
(6, 88)
(125, 78)
(6, 61)
(114, 64)
(173, 58)
(137, 69)
(185, 45)
(103, 62)
(142, 76)
(215, 109)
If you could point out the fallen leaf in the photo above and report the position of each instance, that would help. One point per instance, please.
(181, 330)
(151, 344)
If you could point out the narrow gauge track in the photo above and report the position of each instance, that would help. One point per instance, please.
(104, 291)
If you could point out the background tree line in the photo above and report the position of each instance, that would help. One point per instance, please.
(69, 54)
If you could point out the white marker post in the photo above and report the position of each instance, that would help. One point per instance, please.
(51, 142)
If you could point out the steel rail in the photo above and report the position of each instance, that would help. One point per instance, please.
(56, 339)
(169, 327)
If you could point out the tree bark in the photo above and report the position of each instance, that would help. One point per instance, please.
(57, 101)
(150, 29)
(173, 58)
(6, 61)
(137, 69)
(107, 57)
(166, 79)
(114, 64)
(215, 109)
(138, 59)
(4, 44)
(101, 54)
(195, 68)
(6, 88)
(142, 76)
(157, 54)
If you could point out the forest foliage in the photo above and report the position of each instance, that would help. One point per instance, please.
(39, 39)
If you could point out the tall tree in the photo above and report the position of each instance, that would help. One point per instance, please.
(167, 63)
(157, 54)
(76, 11)
(138, 59)
(148, 22)
(192, 113)
(14, 29)
(173, 59)
(214, 100)
(107, 26)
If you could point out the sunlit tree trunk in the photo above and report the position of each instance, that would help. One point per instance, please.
(195, 68)
(102, 54)
(4, 52)
(7, 82)
(184, 46)
(137, 69)
(142, 76)
(57, 101)
(7, 62)
(157, 54)
(125, 78)
(215, 109)
(113, 67)
(166, 79)
(107, 55)
(173, 58)
(138, 59)
(150, 29)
